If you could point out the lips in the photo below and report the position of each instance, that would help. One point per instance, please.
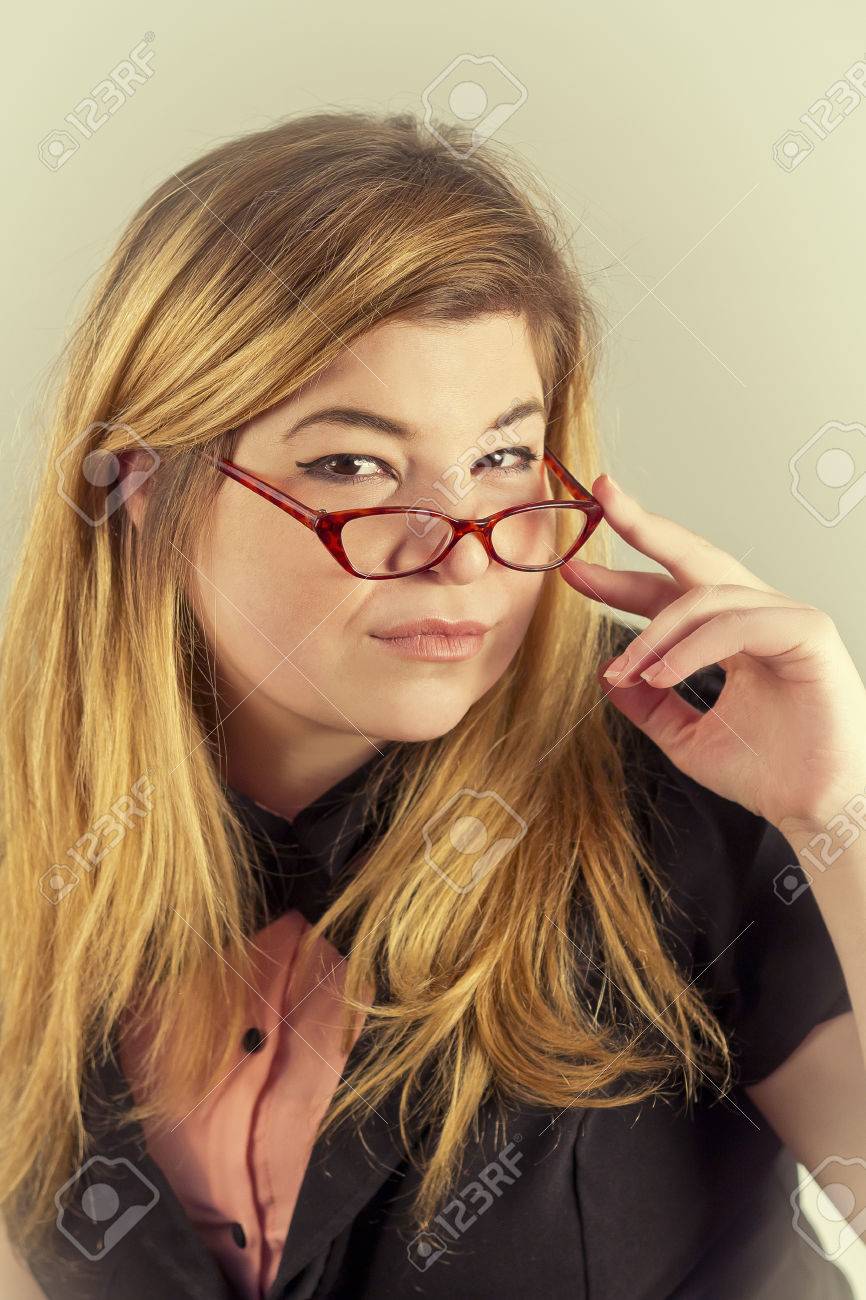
(435, 626)
(433, 640)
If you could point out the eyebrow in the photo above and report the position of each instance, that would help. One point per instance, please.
(356, 418)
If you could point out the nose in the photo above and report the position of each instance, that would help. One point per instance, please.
(465, 562)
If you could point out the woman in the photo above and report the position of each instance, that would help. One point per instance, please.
(359, 937)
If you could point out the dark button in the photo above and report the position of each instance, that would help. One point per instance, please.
(253, 1039)
(240, 1237)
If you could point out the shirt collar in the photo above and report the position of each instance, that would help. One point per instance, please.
(303, 856)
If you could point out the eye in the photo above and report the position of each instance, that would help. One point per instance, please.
(322, 467)
(525, 459)
(338, 468)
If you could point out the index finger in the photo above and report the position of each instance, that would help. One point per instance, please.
(688, 557)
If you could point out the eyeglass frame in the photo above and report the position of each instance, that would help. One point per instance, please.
(328, 525)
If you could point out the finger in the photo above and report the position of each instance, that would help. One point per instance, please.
(788, 636)
(688, 557)
(663, 715)
(639, 593)
(680, 619)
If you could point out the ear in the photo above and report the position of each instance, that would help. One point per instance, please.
(135, 482)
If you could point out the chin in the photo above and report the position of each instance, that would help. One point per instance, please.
(420, 732)
(419, 729)
(422, 720)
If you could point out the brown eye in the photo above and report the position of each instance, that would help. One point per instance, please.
(332, 468)
(525, 459)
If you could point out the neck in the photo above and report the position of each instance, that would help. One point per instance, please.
(284, 761)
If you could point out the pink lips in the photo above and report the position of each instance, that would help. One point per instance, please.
(434, 638)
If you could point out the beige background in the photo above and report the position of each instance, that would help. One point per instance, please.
(732, 284)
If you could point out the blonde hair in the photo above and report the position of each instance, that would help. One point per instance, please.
(233, 285)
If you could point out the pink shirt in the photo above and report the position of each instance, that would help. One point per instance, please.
(236, 1163)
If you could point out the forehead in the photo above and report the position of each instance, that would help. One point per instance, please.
(429, 376)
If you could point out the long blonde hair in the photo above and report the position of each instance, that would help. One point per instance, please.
(233, 285)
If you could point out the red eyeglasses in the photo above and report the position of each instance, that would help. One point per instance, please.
(404, 540)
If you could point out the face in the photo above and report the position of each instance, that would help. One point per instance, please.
(302, 644)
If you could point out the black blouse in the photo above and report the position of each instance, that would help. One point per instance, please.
(635, 1202)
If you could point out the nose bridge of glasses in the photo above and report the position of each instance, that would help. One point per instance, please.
(535, 535)
(466, 526)
(463, 528)
(454, 548)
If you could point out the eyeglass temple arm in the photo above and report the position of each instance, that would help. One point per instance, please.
(297, 509)
(577, 490)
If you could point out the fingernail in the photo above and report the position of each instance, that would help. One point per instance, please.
(612, 480)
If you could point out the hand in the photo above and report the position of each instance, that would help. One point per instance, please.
(787, 736)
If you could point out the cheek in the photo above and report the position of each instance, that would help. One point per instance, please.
(524, 592)
(520, 599)
(268, 588)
